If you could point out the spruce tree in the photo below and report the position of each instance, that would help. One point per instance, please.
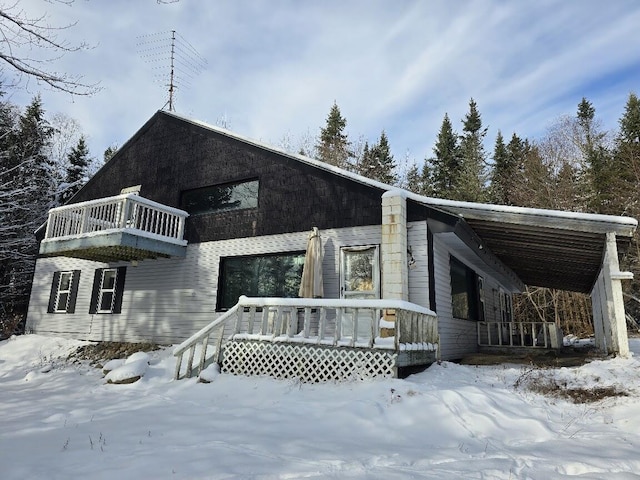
(333, 146)
(414, 181)
(627, 166)
(499, 177)
(442, 171)
(77, 171)
(28, 184)
(630, 121)
(626, 161)
(599, 175)
(472, 176)
(377, 162)
(111, 150)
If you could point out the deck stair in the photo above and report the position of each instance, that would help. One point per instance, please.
(313, 340)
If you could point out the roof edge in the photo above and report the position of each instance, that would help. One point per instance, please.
(621, 226)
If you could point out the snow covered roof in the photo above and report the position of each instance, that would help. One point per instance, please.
(549, 248)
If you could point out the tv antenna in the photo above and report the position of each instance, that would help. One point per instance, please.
(175, 61)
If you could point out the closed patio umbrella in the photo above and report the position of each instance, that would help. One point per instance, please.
(311, 283)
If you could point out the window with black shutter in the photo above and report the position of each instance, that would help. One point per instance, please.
(64, 290)
(108, 287)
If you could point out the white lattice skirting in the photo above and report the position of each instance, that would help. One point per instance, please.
(309, 363)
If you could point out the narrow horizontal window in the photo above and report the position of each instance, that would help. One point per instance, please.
(220, 198)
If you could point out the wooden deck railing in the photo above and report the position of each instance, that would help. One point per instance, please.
(122, 212)
(329, 322)
(519, 334)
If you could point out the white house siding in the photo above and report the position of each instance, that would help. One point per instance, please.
(167, 300)
(74, 325)
(458, 337)
(419, 272)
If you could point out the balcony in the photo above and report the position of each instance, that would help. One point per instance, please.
(126, 227)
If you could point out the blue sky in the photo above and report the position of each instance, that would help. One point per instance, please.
(274, 68)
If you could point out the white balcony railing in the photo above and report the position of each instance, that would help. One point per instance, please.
(126, 212)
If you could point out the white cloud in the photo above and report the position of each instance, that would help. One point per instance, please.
(275, 68)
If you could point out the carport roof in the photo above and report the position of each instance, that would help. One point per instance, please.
(546, 248)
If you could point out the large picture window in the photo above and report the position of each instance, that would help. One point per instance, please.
(464, 291)
(220, 198)
(271, 275)
(64, 289)
(108, 286)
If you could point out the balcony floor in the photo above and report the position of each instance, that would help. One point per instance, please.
(111, 247)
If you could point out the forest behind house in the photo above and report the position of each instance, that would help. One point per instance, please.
(578, 166)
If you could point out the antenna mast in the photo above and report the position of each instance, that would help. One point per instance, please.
(173, 52)
(184, 61)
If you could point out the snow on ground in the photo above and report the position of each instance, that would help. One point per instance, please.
(62, 421)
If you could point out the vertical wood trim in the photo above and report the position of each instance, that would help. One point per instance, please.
(432, 274)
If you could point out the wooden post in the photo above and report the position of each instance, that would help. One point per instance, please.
(615, 303)
(203, 354)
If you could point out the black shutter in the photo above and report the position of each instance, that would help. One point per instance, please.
(54, 292)
(117, 302)
(75, 280)
(97, 279)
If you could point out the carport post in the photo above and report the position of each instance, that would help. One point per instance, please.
(611, 301)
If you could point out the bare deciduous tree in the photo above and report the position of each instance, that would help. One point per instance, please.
(29, 47)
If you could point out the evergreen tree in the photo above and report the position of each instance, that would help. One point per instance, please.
(377, 162)
(599, 174)
(28, 185)
(111, 150)
(77, 171)
(630, 121)
(626, 158)
(472, 176)
(442, 171)
(414, 181)
(500, 174)
(534, 182)
(333, 146)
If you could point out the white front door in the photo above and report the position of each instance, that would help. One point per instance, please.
(359, 272)
(359, 278)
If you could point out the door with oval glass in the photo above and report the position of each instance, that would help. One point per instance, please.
(359, 279)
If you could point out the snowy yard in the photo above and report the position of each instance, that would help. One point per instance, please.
(62, 421)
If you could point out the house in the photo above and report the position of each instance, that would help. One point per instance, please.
(193, 234)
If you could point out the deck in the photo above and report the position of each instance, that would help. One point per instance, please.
(313, 340)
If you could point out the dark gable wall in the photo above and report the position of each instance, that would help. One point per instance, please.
(169, 155)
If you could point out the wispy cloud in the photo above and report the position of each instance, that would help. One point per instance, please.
(275, 68)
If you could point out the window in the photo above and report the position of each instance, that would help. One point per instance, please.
(108, 286)
(271, 275)
(481, 304)
(506, 307)
(220, 198)
(64, 289)
(359, 272)
(464, 291)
